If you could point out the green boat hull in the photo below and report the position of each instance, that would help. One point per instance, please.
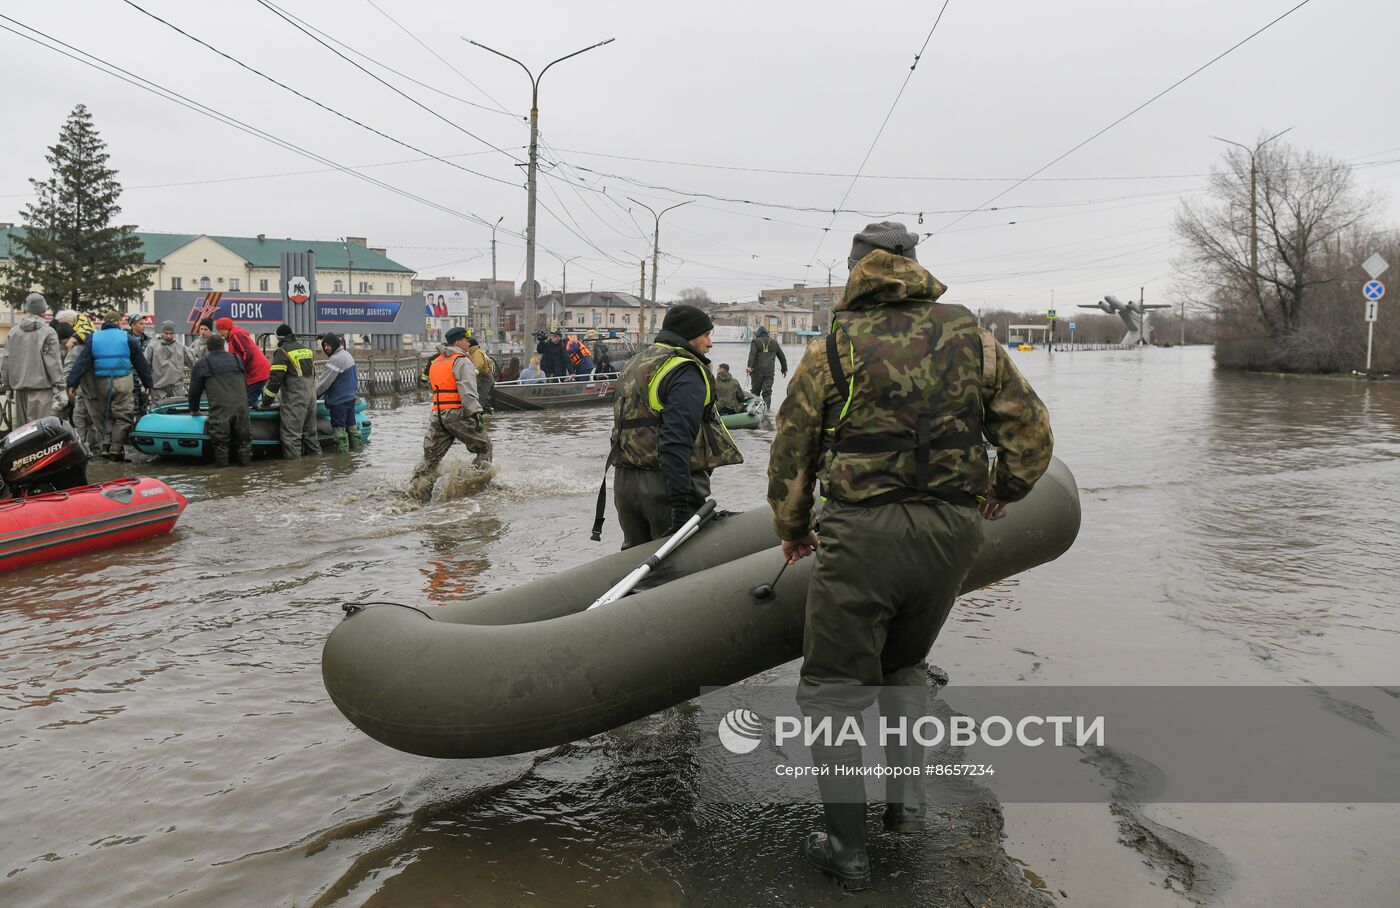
(529, 668)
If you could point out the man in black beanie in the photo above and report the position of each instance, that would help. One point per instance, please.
(667, 435)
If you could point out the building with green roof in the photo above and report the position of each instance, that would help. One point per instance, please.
(230, 264)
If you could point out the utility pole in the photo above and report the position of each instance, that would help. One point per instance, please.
(1253, 209)
(495, 311)
(655, 249)
(531, 288)
(564, 293)
(642, 305)
(825, 321)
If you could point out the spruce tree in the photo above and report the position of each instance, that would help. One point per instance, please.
(71, 251)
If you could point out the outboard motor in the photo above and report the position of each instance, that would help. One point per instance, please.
(43, 456)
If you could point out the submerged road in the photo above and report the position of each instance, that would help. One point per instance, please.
(166, 738)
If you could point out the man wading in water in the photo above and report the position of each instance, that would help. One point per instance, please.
(890, 412)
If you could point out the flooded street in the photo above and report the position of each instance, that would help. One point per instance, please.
(167, 739)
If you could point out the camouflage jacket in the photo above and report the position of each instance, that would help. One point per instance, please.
(638, 420)
(729, 394)
(907, 361)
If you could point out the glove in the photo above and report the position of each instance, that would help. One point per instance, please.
(678, 518)
(479, 420)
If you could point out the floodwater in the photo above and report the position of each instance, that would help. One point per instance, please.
(166, 738)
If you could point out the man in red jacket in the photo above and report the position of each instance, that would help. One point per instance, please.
(255, 366)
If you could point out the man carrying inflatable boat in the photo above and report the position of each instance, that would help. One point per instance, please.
(890, 411)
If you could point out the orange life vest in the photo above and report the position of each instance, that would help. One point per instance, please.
(576, 353)
(444, 383)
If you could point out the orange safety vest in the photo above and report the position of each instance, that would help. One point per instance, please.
(577, 354)
(444, 383)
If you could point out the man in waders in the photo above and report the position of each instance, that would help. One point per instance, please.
(891, 412)
(111, 355)
(220, 378)
(456, 413)
(667, 435)
(339, 384)
(762, 352)
(292, 382)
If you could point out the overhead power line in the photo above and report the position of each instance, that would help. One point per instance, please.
(111, 69)
(1169, 88)
(881, 131)
(323, 106)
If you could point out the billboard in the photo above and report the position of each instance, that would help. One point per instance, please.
(264, 311)
(445, 304)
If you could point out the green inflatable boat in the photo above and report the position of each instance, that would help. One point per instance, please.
(533, 667)
(749, 419)
(169, 430)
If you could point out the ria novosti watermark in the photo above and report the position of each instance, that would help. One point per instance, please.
(1062, 744)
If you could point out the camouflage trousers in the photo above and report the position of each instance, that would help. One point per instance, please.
(884, 583)
(644, 505)
(445, 428)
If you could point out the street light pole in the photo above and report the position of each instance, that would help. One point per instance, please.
(655, 254)
(495, 309)
(1253, 212)
(531, 288)
(825, 321)
(564, 292)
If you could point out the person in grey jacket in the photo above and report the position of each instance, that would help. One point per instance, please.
(171, 362)
(33, 368)
(219, 377)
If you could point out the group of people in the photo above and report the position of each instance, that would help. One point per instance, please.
(891, 413)
(102, 377)
(572, 357)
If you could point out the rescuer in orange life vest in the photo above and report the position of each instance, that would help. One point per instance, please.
(456, 413)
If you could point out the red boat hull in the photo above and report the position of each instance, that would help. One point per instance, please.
(86, 519)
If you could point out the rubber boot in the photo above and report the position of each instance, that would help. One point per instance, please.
(245, 453)
(357, 441)
(840, 851)
(904, 794)
(220, 455)
(342, 440)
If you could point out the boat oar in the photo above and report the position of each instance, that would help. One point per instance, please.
(688, 529)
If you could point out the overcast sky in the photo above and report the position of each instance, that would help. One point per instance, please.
(723, 99)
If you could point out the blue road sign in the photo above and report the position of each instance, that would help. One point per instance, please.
(1071, 326)
(1373, 290)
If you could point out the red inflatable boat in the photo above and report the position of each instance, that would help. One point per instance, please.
(85, 519)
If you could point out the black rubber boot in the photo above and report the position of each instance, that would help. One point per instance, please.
(904, 794)
(840, 851)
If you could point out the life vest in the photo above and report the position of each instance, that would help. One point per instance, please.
(443, 383)
(577, 350)
(910, 425)
(111, 353)
(637, 413)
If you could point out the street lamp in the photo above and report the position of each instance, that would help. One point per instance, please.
(495, 310)
(531, 288)
(1253, 215)
(563, 293)
(655, 254)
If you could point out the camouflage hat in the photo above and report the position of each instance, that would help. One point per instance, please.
(890, 236)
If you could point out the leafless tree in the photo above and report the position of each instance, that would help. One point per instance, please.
(1304, 203)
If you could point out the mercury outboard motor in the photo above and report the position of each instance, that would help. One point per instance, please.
(45, 455)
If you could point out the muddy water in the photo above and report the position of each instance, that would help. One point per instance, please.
(165, 736)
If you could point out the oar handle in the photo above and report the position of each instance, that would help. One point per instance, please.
(688, 529)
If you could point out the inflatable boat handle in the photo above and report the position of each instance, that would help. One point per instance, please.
(688, 529)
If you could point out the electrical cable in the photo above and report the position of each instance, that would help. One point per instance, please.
(325, 107)
(1125, 116)
(124, 75)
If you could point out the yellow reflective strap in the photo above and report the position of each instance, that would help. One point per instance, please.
(654, 400)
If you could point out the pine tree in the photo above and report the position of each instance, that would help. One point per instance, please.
(71, 251)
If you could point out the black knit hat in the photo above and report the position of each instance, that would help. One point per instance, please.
(284, 331)
(454, 334)
(687, 321)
